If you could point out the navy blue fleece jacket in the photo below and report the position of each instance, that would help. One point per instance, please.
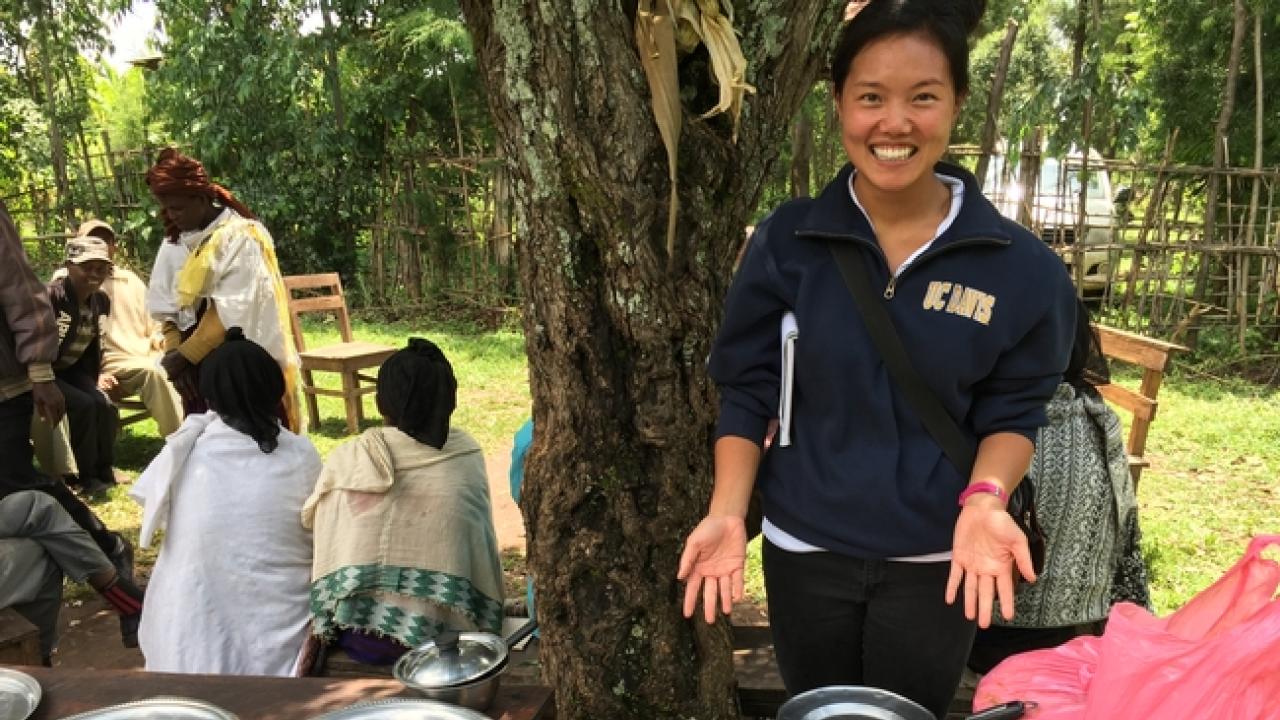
(987, 316)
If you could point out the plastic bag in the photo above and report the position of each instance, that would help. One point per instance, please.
(1216, 657)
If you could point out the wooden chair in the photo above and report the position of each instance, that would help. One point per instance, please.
(347, 358)
(1153, 357)
(132, 410)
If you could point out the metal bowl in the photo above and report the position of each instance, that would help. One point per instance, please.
(478, 694)
(402, 709)
(159, 708)
(851, 702)
(19, 694)
(461, 668)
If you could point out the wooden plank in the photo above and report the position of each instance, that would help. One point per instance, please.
(324, 303)
(1143, 408)
(306, 282)
(1137, 349)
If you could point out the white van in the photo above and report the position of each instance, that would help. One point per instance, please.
(1053, 210)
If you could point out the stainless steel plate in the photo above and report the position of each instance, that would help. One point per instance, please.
(19, 695)
(159, 708)
(851, 702)
(403, 709)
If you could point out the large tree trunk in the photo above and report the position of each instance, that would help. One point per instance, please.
(620, 469)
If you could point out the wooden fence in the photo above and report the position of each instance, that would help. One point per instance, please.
(108, 185)
(1153, 259)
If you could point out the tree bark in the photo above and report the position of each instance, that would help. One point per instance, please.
(801, 155)
(620, 468)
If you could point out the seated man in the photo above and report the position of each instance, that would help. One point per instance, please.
(396, 504)
(28, 347)
(39, 544)
(131, 339)
(228, 594)
(79, 306)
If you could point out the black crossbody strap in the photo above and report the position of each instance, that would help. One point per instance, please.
(936, 419)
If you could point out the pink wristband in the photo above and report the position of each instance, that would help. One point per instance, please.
(984, 487)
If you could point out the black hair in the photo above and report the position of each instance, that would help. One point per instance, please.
(417, 392)
(948, 22)
(1087, 366)
(245, 386)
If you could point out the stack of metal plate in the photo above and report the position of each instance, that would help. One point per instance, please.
(403, 709)
(158, 708)
(19, 695)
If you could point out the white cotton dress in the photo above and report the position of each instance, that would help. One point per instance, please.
(229, 592)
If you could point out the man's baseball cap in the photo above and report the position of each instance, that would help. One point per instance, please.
(88, 226)
(84, 249)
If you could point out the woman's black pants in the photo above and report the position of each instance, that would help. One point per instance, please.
(840, 620)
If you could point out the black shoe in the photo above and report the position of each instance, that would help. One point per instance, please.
(92, 487)
(129, 630)
(122, 557)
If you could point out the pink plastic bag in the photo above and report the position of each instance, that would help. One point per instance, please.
(1217, 657)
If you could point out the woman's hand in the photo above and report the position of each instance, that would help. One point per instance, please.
(986, 545)
(712, 562)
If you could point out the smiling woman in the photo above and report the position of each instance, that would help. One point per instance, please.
(870, 531)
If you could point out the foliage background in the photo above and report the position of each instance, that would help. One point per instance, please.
(310, 126)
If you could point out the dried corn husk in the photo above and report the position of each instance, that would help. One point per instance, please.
(704, 19)
(655, 38)
(661, 27)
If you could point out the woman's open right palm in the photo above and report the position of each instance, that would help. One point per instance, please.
(713, 560)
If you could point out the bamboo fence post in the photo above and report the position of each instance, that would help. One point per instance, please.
(121, 213)
(1266, 273)
(1153, 211)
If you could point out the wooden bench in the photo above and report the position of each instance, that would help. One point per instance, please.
(1153, 357)
(132, 410)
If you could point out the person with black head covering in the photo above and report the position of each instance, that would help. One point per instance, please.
(396, 505)
(227, 490)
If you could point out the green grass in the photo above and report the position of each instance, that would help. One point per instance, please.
(1214, 481)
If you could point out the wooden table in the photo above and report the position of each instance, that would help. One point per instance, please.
(68, 691)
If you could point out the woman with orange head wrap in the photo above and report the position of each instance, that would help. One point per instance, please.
(216, 269)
